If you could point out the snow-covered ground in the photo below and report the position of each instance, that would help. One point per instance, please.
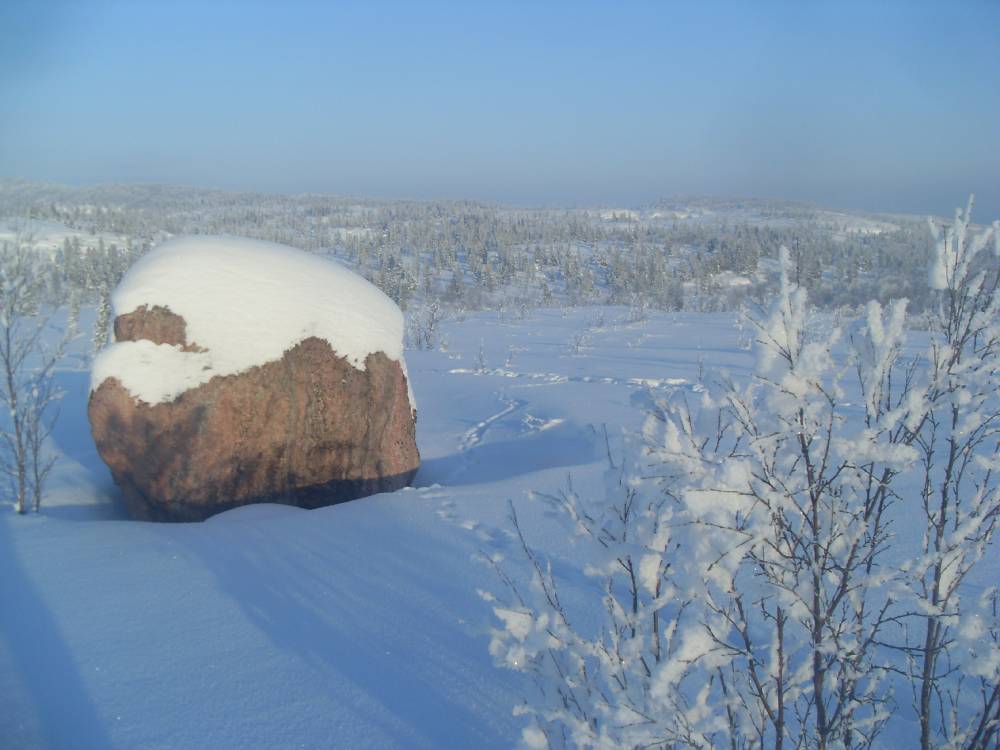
(49, 236)
(357, 625)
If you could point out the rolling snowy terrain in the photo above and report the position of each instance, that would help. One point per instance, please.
(382, 622)
(477, 376)
(354, 625)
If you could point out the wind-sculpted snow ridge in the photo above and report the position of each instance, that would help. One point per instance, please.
(245, 303)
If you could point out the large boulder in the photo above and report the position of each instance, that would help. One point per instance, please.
(249, 372)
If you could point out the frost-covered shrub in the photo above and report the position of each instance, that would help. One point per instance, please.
(423, 325)
(786, 504)
(953, 656)
(28, 394)
(784, 564)
(636, 679)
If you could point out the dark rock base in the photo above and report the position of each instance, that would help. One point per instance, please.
(140, 508)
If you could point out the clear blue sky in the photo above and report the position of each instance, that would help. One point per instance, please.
(886, 106)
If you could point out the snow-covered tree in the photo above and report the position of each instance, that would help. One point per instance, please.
(959, 496)
(102, 323)
(423, 324)
(764, 583)
(785, 503)
(28, 394)
(635, 679)
(482, 365)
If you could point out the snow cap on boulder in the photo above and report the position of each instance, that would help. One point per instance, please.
(247, 372)
(245, 303)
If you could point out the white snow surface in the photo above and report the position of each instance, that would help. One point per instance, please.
(353, 626)
(246, 302)
(357, 625)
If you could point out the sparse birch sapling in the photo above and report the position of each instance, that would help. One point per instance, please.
(28, 394)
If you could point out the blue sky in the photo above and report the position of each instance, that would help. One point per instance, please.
(878, 105)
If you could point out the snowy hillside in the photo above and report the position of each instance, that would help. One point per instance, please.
(50, 236)
(679, 254)
(355, 625)
(800, 504)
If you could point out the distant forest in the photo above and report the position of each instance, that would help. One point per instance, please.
(691, 254)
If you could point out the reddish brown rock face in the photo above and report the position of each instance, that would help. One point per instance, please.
(307, 430)
(157, 324)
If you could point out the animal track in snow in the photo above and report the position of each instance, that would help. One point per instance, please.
(556, 379)
(475, 435)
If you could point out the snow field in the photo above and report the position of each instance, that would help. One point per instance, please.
(357, 625)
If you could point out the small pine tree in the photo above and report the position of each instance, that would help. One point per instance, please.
(481, 364)
(102, 325)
